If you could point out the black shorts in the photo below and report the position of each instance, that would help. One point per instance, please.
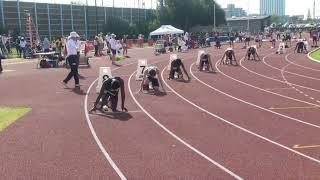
(314, 38)
(204, 62)
(248, 39)
(114, 52)
(173, 71)
(154, 81)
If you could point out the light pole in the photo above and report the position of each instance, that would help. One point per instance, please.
(96, 9)
(248, 16)
(214, 15)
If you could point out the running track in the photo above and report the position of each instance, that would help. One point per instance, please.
(240, 123)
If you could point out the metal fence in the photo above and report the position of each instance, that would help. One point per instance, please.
(53, 20)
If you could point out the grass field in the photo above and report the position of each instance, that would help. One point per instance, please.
(10, 115)
(316, 55)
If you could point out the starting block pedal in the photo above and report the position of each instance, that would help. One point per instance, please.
(104, 73)
(142, 64)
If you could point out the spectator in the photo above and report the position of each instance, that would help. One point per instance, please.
(96, 46)
(8, 46)
(46, 45)
(23, 45)
(1, 54)
(17, 45)
(72, 56)
(125, 45)
(113, 47)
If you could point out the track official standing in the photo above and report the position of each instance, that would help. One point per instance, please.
(1, 54)
(72, 49)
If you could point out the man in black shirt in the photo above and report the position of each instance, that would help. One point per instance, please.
(299, 47)
(252, 51)
(175, 68)
(108, 95)
(228, 57)
(205, 62)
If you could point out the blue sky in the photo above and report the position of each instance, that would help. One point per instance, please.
(293, 7)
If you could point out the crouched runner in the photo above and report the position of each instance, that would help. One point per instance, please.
(150, 81)
(108, 95)
(175, 70)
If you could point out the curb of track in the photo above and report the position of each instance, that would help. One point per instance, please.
(311, 58)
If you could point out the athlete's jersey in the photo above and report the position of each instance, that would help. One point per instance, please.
(204, 57)
(252, 50)
(150, 68)
(175, 64)
(229, 53)
(107, 86)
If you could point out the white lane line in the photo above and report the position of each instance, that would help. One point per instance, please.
(308, 77)
(94, 134)
(287, 108)
(96, 138)
(254, 105)
(272, 89)
(177, 137)
(255, 87)
(8, 70)
(110, 112)
(284, 78)
(24, 62)
(268, 77)
(237, 126)
(301, 65)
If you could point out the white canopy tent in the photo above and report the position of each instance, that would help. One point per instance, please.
(166, 29)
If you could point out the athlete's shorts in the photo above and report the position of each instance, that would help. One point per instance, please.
(154, 82)
(173, 71)
(314, 38)
(204, 62)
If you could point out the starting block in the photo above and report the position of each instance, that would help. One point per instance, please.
(142, 64)
(104, 73)
(172, 58)
(198, 57)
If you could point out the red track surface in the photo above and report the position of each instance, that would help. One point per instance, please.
(239, 123)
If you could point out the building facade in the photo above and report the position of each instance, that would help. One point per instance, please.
(231, 11)
(52, 20)
(272, 7)
(254, 23)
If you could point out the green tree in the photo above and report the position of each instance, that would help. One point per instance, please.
(187, 13)
(3, 30)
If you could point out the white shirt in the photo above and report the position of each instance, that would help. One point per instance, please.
(78, 46)
(274, 36)
(72, 47)
(113, 44)
(108, 38)
(149, 68)
(23, 44)
(1, 52)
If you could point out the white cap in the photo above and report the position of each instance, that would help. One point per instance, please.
(74, 34)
